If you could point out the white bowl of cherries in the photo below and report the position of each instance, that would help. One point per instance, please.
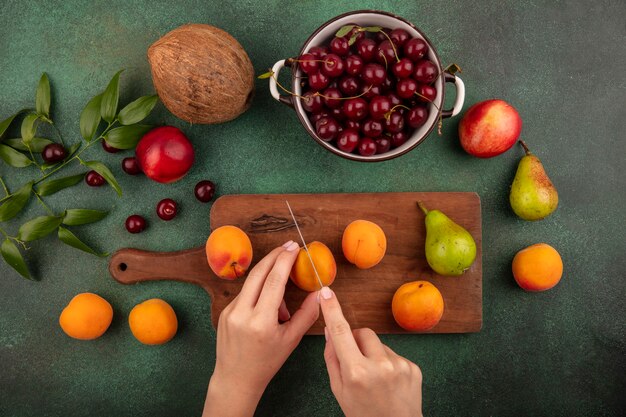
(368, 86)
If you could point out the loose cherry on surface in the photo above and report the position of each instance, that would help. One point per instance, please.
(166, 209)
(415, 49)
(93, 179)
(131, 166)
(309, 63)
(378, 106)
(327, 128)
(425, 71)
(204, 191)
(135, 223)
(348, 140)
(355, 108)
(109, 148)
(339, 46)
(354, 64)
(367, 147)
(333, 65)
(366, 48)
(54, 152)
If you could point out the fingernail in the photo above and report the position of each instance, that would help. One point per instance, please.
(292, 246)
(326, 293)
(287, 244)
(326, 334)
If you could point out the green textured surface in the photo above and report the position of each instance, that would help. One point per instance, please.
(559, 353)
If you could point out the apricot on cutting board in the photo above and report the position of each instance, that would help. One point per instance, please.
(86, 317)
(364, 244)
(229, 252)
(417, 306)
(302, 273)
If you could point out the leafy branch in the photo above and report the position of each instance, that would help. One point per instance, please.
(99, 120)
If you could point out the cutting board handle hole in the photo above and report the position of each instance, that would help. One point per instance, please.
(123, 267)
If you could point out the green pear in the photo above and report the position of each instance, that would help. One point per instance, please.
(533, 197)
(450, 249)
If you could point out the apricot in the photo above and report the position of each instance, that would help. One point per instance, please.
(86, 317)
(302, 273)
(229, 252)
(417, 306)
(538, 267)
(364, 244)
(153, 322)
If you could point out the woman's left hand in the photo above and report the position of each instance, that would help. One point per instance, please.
(252, 344)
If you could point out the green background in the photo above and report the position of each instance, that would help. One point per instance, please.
(558, 353)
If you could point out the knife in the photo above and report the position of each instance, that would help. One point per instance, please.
(306, 249)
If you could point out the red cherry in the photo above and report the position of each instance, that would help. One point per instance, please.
(317, 116)
(337, 114)
(109, 148)
(399, 37)
(309, 63)
(383, 144)
(373, 74)
(372, 128)
(366, 48)
(331, 98)
(166, 209)
(333, 66)
(204, 191)
(354, 32)
(339, 46)
(386, 54)
(318, 81)
(349, 85)
(406, 88)
(327, 128)
(53, 152)
(367, 147)
(395, 122)
(417, 116)
(425, 71)
(399, 138)
(319, 51)
(415, 49)
(352, 124)
(93, 179)
(135, 224)
(378, 106)
(165, 154)
(311, 102)
(370, 91)
(348, 140)
(355, 108)
(403, 68)
(394, 99)
(131, 166)
(354, 64)
(426, 93)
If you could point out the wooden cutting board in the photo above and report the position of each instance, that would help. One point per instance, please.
(365, 295)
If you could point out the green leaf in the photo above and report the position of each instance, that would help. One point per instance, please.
(52, 186)
(453, 69)
(266, 75)
(90, 118)
(29, 127)
(42, 101)
(13, 257)
(77, 217)
(102, 169)
(72, 150)
(70, 239)
(4, 125)
(36, 144)
(138, 110)
(110, 98)
(13, 157)
(14, 204)
(38, 227)
(344, 31)
(353, 39)
(126, 137)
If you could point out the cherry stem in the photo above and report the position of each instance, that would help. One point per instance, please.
(422, 207)
(388, 114)
(521, 142)
(393, 46)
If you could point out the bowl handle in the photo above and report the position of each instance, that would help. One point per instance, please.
(460, 95)
(273, 88)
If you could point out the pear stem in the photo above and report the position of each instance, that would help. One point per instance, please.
(521, 142)
(422, 207)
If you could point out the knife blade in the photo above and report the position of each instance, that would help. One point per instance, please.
(306, 249)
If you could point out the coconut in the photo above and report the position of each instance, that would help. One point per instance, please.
(202, 74)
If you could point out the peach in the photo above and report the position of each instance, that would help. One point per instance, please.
(489, 128)
(302, 273)
(417, 306)
(364, 244)
(229, 252)
(538, 267)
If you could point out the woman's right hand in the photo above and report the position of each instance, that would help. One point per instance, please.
(366, 376)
